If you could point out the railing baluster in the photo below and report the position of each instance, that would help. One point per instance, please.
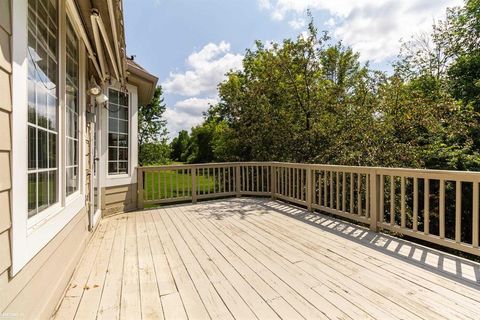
(442, 209)
(392, 200)
(164, 182)
(257, 179)
(475, 219)
(403, 222)
(415, 204)
(176, 183)
(193, 170)
(426, 207)
(140, 188)
(367, 196)
(171, 183)
(337, 192)
(344, 192)
(359, 194)
(331, 189)
(458, 211)
(351, 192)
(382, 199)
(319, 187)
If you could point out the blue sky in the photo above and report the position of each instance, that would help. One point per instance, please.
(190, 44)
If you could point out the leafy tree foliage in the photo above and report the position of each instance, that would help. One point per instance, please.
(152, 132)
(179, 146)
(311, 100)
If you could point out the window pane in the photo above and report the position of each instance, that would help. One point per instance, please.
(42, 104)
(32, 148)
(52, 112)
(52, 183)
(42, 149)
(32, 194)
(42, 190)
(113, 96)
(122, 126)
(72, 180)
(32, 114)
(123, 113)
(123, 140)
(42, 107)
(123, 99)
(113, 140)
(123, 154)
(122, 166)
(52, 150)
(113, 125)
(112, 167)
(112, 153)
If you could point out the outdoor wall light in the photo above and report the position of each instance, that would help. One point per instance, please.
(102, 98)
(93, 88)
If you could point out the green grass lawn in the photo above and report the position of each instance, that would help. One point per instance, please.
(172, 184)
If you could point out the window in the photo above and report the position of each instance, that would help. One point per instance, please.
(117, 132)
(42, 105)
(71, 111)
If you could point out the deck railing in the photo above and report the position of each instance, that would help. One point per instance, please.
(436, 206)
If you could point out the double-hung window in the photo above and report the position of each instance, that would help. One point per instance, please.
(72, 111)
(47, 117)
(118, 124)
(42, 56)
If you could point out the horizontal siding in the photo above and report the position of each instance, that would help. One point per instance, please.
(119, 199)
(5, 260)
(5, 89)
(37, 288)
(4, 207)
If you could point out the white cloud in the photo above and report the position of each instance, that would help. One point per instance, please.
(187, 113)
(195, 106)
(297, 23)
(179, 120)
(374, 28)
(205, 70)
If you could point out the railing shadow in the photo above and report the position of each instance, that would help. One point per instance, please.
(441, 263)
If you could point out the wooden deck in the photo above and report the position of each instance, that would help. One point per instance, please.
(261, 259)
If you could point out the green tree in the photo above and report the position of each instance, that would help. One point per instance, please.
(152, 132)
(179, 146)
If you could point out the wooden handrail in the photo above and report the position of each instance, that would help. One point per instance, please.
(401, 200)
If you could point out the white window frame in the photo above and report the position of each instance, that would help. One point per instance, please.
(108, 180)
(29, 236)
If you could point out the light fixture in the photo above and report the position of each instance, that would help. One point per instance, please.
(93, 88)
(101, 98)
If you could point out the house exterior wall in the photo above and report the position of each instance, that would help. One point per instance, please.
(34, 291)
(119, 199)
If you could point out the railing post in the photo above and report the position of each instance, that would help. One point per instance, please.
(374, 200)
(237, 181)
(140, 186)
(193, 170)
(309, 188)
(273, 180)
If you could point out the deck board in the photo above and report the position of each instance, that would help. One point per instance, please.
(262, 259)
